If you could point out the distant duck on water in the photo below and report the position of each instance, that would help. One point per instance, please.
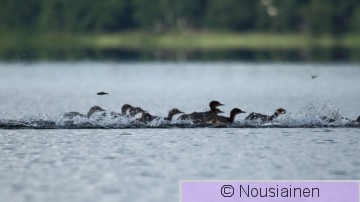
(92, 110)
(265, 118)
(204, 117)
(227, 121)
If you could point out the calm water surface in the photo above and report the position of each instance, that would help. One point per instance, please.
(146, 164)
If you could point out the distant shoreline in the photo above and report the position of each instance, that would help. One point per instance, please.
(138, 40)
(192, 46)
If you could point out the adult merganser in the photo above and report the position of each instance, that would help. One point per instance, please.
(92, 110)
(203, 117)
(227, 121)
(265, 118)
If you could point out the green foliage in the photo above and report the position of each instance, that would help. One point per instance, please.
(290, 15)
(355, 20)
(84, 15)
(19, 14)
(232, 14)
(329, 17)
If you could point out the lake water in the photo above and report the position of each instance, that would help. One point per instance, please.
(145, 164)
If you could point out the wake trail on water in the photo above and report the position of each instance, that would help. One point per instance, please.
(322, 114)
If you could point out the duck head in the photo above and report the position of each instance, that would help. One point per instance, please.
(174, 112)
(233, 113)
(95, 109)
(236, 111)
(280, 111)
(214, 104)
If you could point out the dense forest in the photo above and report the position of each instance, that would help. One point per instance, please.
(335, 17)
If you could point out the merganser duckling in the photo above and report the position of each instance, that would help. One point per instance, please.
(226, 121)
(92, 110)
(146, 117)
(125, 108)
(265, 118)
(135, 110)
(203, 117)
(172, 113)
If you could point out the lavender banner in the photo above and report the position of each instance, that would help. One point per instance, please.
(193, 191)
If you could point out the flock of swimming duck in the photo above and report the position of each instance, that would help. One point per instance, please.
(212, 116)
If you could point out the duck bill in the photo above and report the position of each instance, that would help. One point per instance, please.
(242, 112)
(220, 112)
(221, 105)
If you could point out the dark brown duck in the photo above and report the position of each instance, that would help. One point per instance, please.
(226, 121)
(203, 117)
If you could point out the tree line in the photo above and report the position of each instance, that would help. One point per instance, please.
(334, 17)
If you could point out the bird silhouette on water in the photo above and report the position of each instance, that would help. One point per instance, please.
(203, 117)
(227, 121)
(92, 110)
